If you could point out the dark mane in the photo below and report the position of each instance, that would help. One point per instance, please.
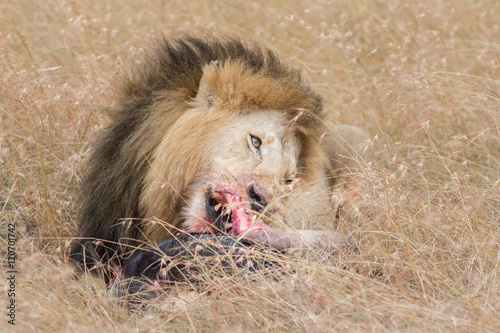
(177, 64)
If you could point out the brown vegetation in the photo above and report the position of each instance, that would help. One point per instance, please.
(421, 78)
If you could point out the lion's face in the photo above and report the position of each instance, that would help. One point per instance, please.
(253, 162)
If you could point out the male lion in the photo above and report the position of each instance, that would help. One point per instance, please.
(211, 135)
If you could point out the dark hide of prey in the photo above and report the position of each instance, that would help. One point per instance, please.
(185, 259)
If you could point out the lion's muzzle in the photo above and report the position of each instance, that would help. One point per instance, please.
(226, 209)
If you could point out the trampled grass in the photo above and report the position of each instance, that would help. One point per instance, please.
(422, 78)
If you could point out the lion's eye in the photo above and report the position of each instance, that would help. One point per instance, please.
(255, 141)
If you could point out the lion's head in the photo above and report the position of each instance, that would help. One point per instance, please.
(242, 143)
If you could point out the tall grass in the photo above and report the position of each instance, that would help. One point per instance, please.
(423, 78)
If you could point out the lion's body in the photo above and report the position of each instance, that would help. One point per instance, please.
(197, 116)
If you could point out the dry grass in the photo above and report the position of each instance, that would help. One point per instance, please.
(421, 77)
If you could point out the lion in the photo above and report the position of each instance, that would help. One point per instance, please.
(210, 135)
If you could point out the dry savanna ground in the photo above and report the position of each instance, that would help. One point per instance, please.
(423, 79)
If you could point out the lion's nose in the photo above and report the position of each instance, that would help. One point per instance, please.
(257, 196)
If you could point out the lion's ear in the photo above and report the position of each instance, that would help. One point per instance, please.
(215, 65)
(208, 82)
